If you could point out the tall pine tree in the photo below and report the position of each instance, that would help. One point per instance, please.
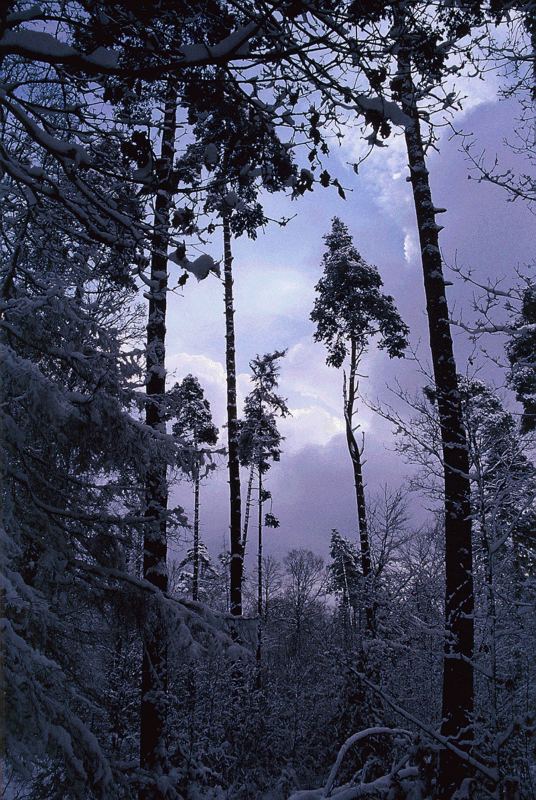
(192, 424)
(349, 311)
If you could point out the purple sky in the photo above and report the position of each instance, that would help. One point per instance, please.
(274, 292)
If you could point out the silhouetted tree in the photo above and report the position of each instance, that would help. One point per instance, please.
(194, 427)
(349, 311)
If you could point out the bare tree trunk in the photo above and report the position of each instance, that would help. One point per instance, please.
(247, 510)
(479, 508)
(259, 547)
(259, 584)
(195, 575)
(237, 551)
(354, 450)
(154, 664)
(458, 689)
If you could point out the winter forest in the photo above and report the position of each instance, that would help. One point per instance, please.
(268, 399)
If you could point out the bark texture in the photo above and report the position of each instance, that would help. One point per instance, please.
(154, 663)
(247, 510)
(195, 570)
(237, 550)
(458, 690)
(258, 654)
(259, 546)
(355, 456)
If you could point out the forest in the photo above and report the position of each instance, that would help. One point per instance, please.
(268, 399)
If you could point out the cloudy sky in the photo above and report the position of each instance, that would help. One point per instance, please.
(274, 293)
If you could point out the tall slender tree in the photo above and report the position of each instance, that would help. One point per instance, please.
(458, 688)
(410, 81)
(260, 440)
(503, 507)
(260, 443)
(349, 310)
(153, 757)
(194, 427)
(242, 153)
(235, 509)
(503, 497)
(345, 574)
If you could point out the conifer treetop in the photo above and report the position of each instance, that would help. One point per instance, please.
(350, 307)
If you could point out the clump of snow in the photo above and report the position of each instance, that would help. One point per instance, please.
(201, 267)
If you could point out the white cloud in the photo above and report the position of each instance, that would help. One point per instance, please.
(411, 247)
(270, 303)
(384, 170)
(474, 92)
(272, 291)
(204, 368)
(313, 391)
(311, 425)
(305, 375)
(384, 174)
(315, 397)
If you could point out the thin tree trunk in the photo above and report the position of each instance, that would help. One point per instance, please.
(458, 689)
(247, 510)
(346, 609)
(355, 456)
(530, 27)
(7, 286)
(237, 552)
(489, 578)
(154, 664)
(259, 547)
(195, 576)
(259, 583)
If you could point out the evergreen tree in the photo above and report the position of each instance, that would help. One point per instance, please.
(350, 309)
(71, 462)
(193, 426)
(345, 573)
(503, 498)
(260, 443)
(259, 438)
(521, 351)
(199, 559)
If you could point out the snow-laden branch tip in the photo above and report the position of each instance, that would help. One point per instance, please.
(386, 108)
(201, 267)
(44, 47)
(41, 46)
(353, 740)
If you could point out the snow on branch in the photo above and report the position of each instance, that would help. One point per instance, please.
(46, 48)
(353, 740)
(196, 619)
(444, 741)
(386, 108)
